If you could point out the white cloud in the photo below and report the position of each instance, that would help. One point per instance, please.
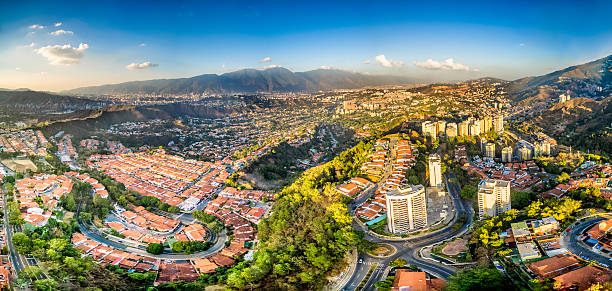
(58, 24)
(27, 45)
(62, 54)
(142, 44)
(223, 66)
(327, 68)
(271, 66)
(476, 70)
(265, 60)
(448, 64)
(36, 26)
(61, 31)
(367, 62)
(387, 62)
(18, 69)
(135, 66)
(521, 44)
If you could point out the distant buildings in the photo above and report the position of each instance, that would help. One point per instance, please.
(463, 128)
(435, 171)
(524, 153)
(564, 98)
(474, 127)
(490, 150)
(441, 127)
(507, 154)
(498, 123)
(545, 148)
(429, 128)
(406, 209)
(469, 127)
(451, 129)
(493, 198)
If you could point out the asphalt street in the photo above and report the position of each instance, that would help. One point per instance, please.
(571, 240)
(408, 249)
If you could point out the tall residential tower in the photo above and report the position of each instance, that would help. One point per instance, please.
(406, 209)
(493, 198)
(435, 171)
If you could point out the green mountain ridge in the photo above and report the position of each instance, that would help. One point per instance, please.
(248, 81)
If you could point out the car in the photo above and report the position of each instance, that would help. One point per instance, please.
(361, 261)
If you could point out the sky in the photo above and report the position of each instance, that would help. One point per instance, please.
(58, 45)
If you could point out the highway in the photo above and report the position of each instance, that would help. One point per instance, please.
(571, 240)
(407, 249)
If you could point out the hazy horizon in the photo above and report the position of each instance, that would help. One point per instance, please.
(59, 47)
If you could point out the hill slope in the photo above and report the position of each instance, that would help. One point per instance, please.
(248, 81)
(593, 80)
(32, 106)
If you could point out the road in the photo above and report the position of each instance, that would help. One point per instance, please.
(95, 235)
(408, 249)
(16, 259)
(571, 240)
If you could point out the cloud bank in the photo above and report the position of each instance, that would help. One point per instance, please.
(448, 64)
(145, 65)
(61, 31)
(265, 60)
(62, 54)
(388, 63)
(271, 66)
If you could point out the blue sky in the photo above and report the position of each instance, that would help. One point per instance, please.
(116, 41)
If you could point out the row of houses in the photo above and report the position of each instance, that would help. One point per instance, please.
(39, 195)
(172, 179)
(520, 175)
(29, 142)
(144, 219)
(375, 208)
(568, 272)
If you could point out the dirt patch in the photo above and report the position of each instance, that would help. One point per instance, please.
(455, 247)
(383, 250)
(20, 166)
(257, 181)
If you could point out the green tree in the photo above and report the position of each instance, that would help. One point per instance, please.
(46, 285)
(477, 279)
(469, 192)
(154, 248)
(22, 242)
(399, 262)
(15, 213)
(563, 177)
(30, 272)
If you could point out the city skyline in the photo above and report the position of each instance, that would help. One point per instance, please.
(57, 47)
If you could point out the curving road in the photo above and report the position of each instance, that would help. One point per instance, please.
(95, 235)
(571, 240)
(408, 249)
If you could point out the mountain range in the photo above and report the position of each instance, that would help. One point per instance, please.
(249, 81)
(592, 79)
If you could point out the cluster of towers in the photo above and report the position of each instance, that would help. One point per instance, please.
(469, 127)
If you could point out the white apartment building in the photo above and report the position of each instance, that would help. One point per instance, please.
(498, 123)
(507, 154)
(493, 198)
(490, 150)
(406, 209)
(435, 171)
